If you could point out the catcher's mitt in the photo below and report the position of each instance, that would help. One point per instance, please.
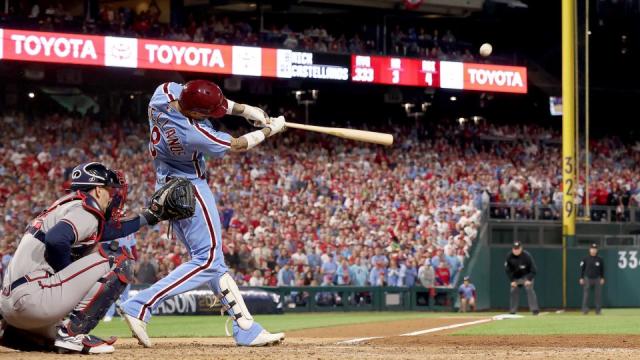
(174, 201)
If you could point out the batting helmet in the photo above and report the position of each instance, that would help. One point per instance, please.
(204, 97)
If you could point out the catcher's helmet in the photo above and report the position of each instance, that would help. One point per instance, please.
(87, 176)
(204, 97)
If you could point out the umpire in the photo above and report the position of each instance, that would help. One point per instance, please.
(592, 275)
(521, 270)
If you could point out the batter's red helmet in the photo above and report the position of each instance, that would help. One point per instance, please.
(204, 97)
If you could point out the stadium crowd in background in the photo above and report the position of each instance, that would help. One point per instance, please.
(336, 212)
(222, 29)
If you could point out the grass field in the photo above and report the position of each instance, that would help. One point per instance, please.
(614, 321)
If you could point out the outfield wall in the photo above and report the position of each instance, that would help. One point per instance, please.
(619, 248)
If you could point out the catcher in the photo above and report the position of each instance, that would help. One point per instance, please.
(66, 271)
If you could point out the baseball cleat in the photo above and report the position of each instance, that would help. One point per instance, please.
(138, 328)
(82, 343)
(266, 338)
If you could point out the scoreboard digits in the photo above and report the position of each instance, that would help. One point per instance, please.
(394, 71)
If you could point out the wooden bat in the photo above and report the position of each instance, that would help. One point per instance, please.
(351, 134)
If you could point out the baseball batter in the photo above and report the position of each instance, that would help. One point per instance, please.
(181, 136)
(61, 269)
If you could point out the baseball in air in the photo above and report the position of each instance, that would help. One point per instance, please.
(486, 49)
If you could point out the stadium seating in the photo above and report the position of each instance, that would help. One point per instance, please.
(327, 210)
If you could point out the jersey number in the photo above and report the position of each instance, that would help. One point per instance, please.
(155, 140)
(627, 259)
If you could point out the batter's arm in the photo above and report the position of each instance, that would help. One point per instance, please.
(249, 140)
(241, 143)
(254, 115)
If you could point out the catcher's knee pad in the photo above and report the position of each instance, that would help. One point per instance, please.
(116, 254)
(84, 318)
(233, 303)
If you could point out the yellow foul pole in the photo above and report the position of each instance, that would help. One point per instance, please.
(568, 135)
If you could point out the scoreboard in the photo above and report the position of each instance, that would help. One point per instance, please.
(395, 71)
(113, 51)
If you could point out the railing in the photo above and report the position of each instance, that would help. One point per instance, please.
(549, 233)
(601, 214)
(366, 298)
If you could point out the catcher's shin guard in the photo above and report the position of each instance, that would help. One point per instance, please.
(233, 303)
(87, 314)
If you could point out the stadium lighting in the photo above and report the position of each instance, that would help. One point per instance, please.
(453, 98)
(461, 120)
(131, 96)
(407, 107)
(31, 95)
(306, 98)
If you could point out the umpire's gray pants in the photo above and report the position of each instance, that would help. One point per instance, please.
(588, 284)
(515, 296)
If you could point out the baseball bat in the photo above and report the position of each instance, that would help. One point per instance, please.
(351, 134)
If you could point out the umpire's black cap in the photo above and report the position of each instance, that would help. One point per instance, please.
(517, 245)
(594, 246)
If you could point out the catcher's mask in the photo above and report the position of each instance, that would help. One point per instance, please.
(87, 176)
(118, 193)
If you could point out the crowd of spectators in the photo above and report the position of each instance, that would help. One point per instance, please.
(145, 22)
(313, 210)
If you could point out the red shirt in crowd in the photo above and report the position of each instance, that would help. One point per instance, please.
(443, 276)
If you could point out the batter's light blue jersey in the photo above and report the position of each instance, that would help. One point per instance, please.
(177, 143)
(128, 241)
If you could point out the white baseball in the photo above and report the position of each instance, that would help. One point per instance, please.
(486, 49)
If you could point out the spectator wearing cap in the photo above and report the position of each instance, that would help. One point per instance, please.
(455, 265)
(426, 275)
(343, 274)
(467, 292)
(256, 279)
(409, 273)
(379, 257)
(359, 270)
(393, 274)
(313, 258)
(378, 275)
(329, 268)
(299, 258)
(443, 275)
(521, 271)
(286, 276)
(270, 278)
(592, 276)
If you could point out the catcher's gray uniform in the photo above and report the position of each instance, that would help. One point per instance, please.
(65, 266)
(35, 297)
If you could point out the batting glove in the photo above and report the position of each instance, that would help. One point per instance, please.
(276, 125)
(255, 116)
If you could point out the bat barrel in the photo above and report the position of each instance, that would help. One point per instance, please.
(351, 134)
